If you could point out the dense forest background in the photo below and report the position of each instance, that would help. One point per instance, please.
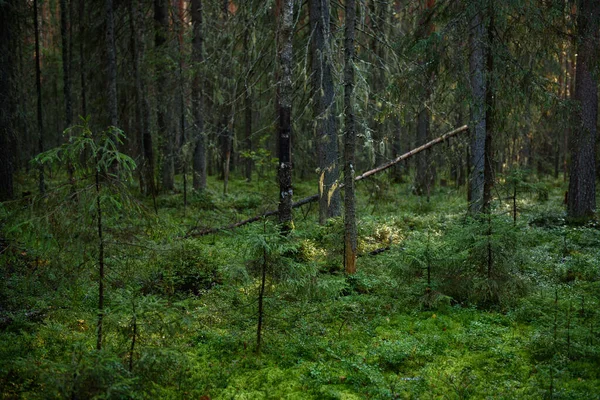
(299, 199)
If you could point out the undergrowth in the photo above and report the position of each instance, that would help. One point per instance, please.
(443, 306)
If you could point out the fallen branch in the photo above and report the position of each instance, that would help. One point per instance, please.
(315, 197)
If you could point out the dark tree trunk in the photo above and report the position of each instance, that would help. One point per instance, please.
(488, 172)
(161, 29)
(142, 106)
(199, 161)
(111, 64)
(581, 202)
(478, 114)
(248, 102)
(6, 100)
(82, 75)
(38, 86)
(66, 60)
(350, 231)
(284, 100)
(324, 109)
(424, 179)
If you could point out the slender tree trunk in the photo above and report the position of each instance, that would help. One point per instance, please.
(199, 161)
(82, 76)
(111, 64)
(38, 85)
(142, 106)
(284, 100)
(161, 29)
(581, 202)
(488, 172)
(478, 115)
(6, 100)
(324, 109)
(424, 179)
(248, 102)
(350, 231)
(100, 264)
(66, 60)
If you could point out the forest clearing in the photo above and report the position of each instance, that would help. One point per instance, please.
(289, 199)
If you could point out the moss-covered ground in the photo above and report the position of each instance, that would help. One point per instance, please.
(181, 311)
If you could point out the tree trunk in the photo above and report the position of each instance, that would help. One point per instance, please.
(199, 161)
(284, 100)
(488, 181)
(82, 75)
(248, 102)
(66, 60)
(350, 232)
(6, 100)
(324, 109)
(581, 202)
(478, 115)
(424, 179)
(161, 28)
(38, 85)
(142, 106)
(111, 64)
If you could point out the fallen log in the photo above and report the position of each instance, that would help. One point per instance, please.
(315, 197)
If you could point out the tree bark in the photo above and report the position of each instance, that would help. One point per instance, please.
(581, 203)
(38, 85)
(66, 60)
(161, 29)
(82, 74)
(478, 115)
(111, 64)
(284, 100)
(350, 231)
(324, 109)
(142, 106)
(248, 100)
(199, 160)
(488, 181)
(6, 100)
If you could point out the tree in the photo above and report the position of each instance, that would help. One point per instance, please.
(284, 107)
(142, 108)
(38, 86)
(478, 115)
(350, 232)
(111, 64)
(324, 109)
(6, 101)
(199, 160)
(161, 28)
(581, 203)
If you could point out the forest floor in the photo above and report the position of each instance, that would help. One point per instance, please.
(511, 309)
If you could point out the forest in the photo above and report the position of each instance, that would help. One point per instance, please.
(299, 199)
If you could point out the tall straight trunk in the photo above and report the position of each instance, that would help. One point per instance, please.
(161, 28)
(111, 64)
(324, 109)
(38, 86)
(488, 181)
(284, 100)
(66, 61)
(424, 178)
(142, 106)
(478, 115)
(350, 231)
(199, 160)
(248, 100)
(226, 133)
(581, 202)
(6, 100)
(82, 75)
